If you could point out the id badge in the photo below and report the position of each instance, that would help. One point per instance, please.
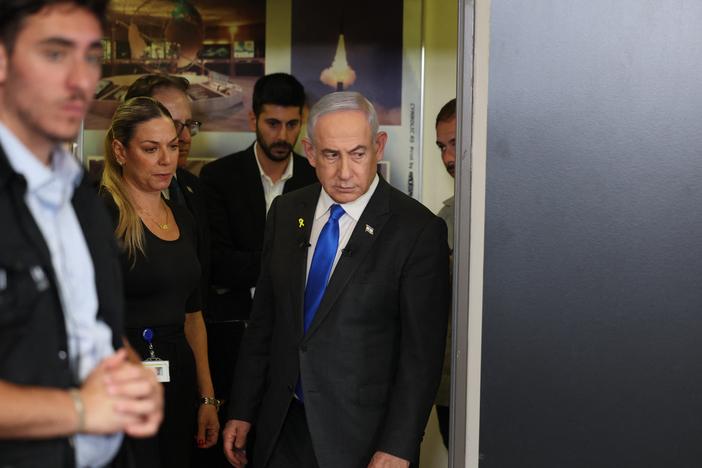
(153, 362)
(160, 368)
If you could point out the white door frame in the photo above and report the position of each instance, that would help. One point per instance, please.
(472, 75)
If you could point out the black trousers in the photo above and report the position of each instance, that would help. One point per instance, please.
(174, 444)
(443, 415)
(294, 446)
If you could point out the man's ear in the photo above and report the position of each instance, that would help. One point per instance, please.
(309, 151)
(380, 139)
(252, 121)
(3, 63)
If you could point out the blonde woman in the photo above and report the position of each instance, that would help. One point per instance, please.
(161, 275)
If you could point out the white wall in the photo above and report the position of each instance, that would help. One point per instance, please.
(440, 47)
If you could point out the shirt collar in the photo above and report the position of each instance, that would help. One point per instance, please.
(354, 209)
(57, 181)
(288, 170)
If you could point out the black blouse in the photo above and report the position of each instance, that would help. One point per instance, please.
(162, 285)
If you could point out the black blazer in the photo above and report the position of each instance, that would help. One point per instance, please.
(371, 360)
(195, 202)
(236, 206)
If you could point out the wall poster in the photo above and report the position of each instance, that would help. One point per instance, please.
(223, 46)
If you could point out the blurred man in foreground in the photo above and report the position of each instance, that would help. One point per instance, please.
(66, 396)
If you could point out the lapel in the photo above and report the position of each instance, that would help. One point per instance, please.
(81, 202)
(185, 189)
(376, 214)
(254, 189)
(297, 180)
(304, 211)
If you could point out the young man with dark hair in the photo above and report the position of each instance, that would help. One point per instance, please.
(239, 190)
(66, 396)
(446, 142)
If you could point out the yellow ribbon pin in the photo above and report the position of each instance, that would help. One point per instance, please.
(301, 222)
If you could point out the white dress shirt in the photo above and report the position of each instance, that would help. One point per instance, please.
(273, 189)
(48, 196)
(347, 222)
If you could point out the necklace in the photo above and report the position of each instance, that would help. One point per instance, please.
(165, 226)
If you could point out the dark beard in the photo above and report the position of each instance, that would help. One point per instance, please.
(278, 144)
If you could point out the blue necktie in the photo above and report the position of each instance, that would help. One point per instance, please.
(320, 270)
(321, 266)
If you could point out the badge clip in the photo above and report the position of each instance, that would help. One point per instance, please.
(160, 367)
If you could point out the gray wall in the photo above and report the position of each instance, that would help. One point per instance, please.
(593, 265)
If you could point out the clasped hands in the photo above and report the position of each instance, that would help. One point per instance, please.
(120, 395)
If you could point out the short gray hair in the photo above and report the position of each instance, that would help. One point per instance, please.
(342, 101)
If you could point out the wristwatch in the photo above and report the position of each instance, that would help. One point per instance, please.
(211, 401)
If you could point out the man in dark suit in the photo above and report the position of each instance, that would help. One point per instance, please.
(239, 189)
(342, 357)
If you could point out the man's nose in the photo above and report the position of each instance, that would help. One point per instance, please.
(344, 168)
(185, 134)
(83, 77)
(283, 133)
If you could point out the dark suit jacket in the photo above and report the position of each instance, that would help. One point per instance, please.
(237, 214)
(371, 360)
(192, 193)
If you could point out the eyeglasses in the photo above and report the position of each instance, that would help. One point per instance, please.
(192, 125)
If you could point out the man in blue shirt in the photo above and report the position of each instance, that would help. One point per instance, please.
(68, 389)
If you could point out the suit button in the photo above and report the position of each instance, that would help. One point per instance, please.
(62, 355)
(303, 348)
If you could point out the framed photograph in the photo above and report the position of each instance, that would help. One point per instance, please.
(223, 46)
(218, 45)
(195, 164)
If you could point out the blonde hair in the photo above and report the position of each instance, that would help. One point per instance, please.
(129, 230)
